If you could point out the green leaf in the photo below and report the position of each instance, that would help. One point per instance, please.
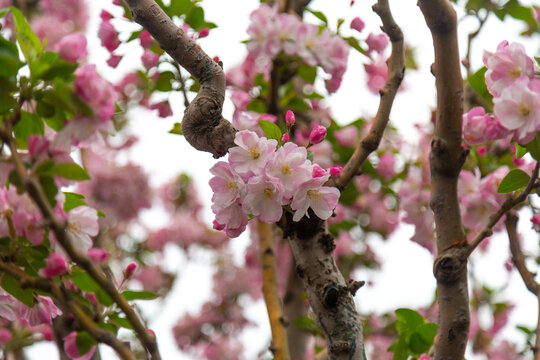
(57, 68)
(29, 124)
(9, 58)
(3, 12)
(139, 295)
(104, 298)
(7, 102)
(84, 281)
(27, 39)
(308, 73)
(400, 349)
(418, 345)
(319, 15)
(270, 129)
(310, 155)
(45, 110)
(84, 342)
(428, 331)
(517, 11)
(73, 200)
(514, 180)
(477, 82)
(534, 147)
(69, 171)
(409, 318)
(120, 321)
(177, 129)
(12, 286)
(179, 7)
(353, 42)
(520, 151)
(308, 325)
(49, 188)
(195, 18)
(257, 105)
(163, 82)
(57, 121)
(109, 327)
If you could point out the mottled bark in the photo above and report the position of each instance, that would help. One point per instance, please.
(203, 125)
(329, 296)
(446, 159)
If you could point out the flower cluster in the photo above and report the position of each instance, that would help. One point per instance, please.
(510, 79)
(271, 33)
(260, 178)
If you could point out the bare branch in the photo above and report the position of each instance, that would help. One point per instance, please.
(203, 125)
(396, 71)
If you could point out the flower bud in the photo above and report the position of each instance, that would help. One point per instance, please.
(357, 24)
(285, 138)
(317, 134)
(335, 170)
(56, 265)
(318, 171)
(289, 119)
(98, 255)
(204, 32)
(130, 269)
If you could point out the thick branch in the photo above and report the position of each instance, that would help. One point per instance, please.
(35, 191)
(528, 277)
(507, 205)
(328, 293)
(203, 125)
(446, 159)
(279, 346)
(396, 71)
(294, 308)
(70, 306)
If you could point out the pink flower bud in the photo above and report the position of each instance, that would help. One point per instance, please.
(217, 226)
(151, 332)
(146, 39)
(5, 336)
(98, 255)
(335, 170)
(47, 334)
(130, 269)
(285, 138)
(105, 15)
(149, 59)
(56, 265)
(357, 24)
(72, 47)
(163, 108)
(318, 171)
(317, 135)
(216, 59)
(113, 61)
(536, 221)
(92, 297)
(204, 33)
(117, 2)
(377, 42)
(289, 119)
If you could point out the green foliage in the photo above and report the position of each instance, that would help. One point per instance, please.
(70, 171)
(308, 325)
(73, 200)
(270, 129)
(319, 15)
(27, 39)
(84, 342)
(514, 180)
(534, 147)
(29, 124)
(514, 9)
(477, 82)
(139, 295)
(177, 129)
(416, 335)
(164, 82)
(257, 105)
(12, 286)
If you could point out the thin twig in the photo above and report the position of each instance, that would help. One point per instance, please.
(68, 305)
(35, 191)
(396, 71)
(279, 347)
(507, 205)
(528, 277)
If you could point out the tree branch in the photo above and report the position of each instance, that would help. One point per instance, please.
(295, 308)
(203, 125)
(279, 346)
(69, 306)
(35, 191)
(396, 71)
(528, 277)
(507, 205)
(446, 159)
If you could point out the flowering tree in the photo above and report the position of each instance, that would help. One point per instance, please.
(73, 245)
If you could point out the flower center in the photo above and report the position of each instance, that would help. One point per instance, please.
(524, 110)
(314, 194)
(231, 186)
(268, 193)
(285, 169)
(516, 72)
(74, 227)
(254, 152)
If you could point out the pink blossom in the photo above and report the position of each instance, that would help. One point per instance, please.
(424, 357)
(386, 166)
(67, 13)
(335, 171)
(71, 349)
(289, 119)
(376, 72)
(149, 59)
(518, 108)
(98, 93)
(56, 265)
(72, 47)
(262, 30)
(226, 184)
(291, 167)
(163, 108)
(98, 255)
(344, 245)
(204, 32)
(311, 194)
(264, 198)
(130, 269)
(377, 42)
(285, 138)
(43, 311)
(5, 337)
(357, 24)
(251, 154)
(317, 135)
(232, 218)
(146, 39)
(114, 60)
(347, 136)
(506, 65)
(152, 278)
(287, 29)
(108, 35)
(8, 306)
(479, 127)
(81, 225)
(318, 171)
(240, 100)
(536, 221)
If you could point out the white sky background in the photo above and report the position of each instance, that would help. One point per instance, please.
(405, 279)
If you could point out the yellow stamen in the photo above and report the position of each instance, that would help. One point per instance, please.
(524, 109)
(268, 193)
(254, 152)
